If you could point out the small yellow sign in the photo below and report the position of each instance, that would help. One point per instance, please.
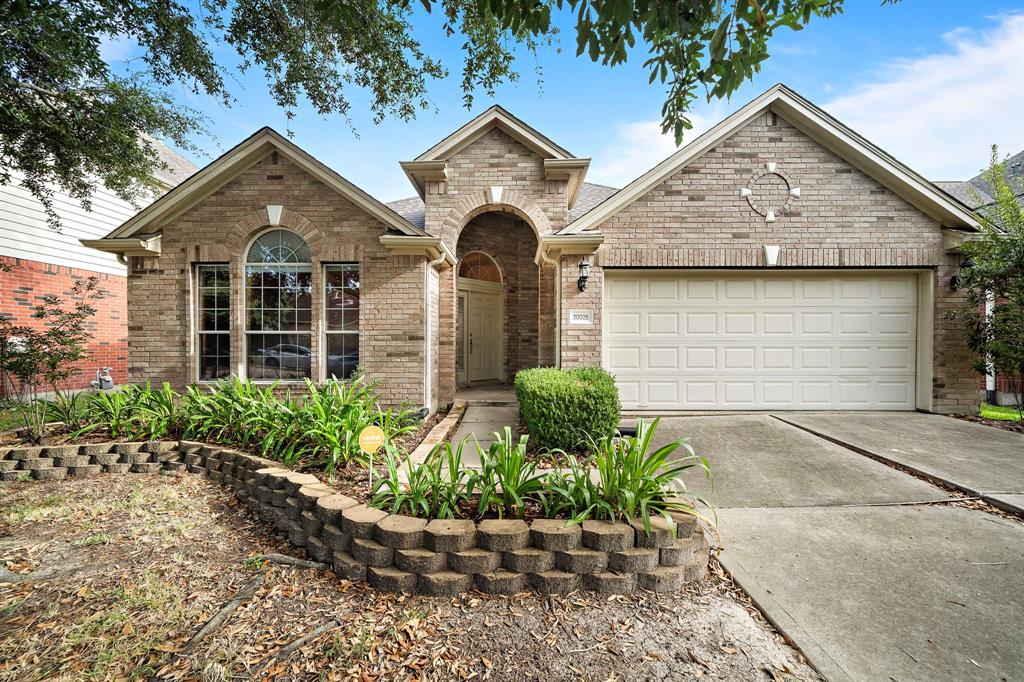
(371, 439)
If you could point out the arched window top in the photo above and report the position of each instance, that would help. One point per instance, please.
(478, 265)
(278, 246)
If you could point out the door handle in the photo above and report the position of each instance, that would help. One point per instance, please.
(470, 343)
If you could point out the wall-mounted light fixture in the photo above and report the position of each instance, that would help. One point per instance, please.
(954, 281)
(584, 274)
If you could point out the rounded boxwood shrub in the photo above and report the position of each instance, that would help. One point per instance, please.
(563, 407)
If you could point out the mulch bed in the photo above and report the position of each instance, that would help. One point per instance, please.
(116, 576)
(1006, 425)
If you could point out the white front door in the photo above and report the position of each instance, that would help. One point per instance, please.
(746, 340)
(483, 335)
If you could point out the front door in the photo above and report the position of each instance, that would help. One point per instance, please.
(482, 342)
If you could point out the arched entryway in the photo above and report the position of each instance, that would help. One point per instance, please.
(497, 307)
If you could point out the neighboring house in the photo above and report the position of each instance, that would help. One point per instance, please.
(977, 194)
(43, 261)
(779, 261)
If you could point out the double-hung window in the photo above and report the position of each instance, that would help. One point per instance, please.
(213, 321)
(279, 308)
(341, 311)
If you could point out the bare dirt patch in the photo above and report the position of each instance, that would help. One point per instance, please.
(109, 578)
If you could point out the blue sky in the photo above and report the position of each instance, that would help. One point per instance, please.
(934, 82)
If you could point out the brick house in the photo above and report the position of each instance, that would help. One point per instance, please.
(779, 261)
(44, 262)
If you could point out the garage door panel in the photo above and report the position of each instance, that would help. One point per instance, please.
(764, 341)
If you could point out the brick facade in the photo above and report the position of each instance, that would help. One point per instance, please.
(496, 199)
(392, 326)
(27, 282)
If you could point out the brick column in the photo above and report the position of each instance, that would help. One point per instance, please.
(581, 343)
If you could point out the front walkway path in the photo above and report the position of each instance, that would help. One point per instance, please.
(840, 554)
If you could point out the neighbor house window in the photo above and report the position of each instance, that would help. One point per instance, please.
(278, 307)
(341, 328)
(213, 321)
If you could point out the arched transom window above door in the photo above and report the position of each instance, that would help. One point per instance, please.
(479, 266)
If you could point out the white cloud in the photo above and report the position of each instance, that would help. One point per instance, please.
(638, 146)
(940, 113)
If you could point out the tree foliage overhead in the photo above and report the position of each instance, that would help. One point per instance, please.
(67, 118)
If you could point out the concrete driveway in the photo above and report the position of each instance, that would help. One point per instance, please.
(838, 552)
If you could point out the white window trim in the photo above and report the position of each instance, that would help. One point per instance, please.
(322, 320)
(197, 312)
(245, 331)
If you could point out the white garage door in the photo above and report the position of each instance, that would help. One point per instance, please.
(761, 340)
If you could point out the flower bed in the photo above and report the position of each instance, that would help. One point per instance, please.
(395, 552)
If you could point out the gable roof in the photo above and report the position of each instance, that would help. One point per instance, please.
(559, 164)
(495, 117)
(178, 167)
(232, 163)
(818, 125)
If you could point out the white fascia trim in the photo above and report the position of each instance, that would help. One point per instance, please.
(432, 248)
(234, 162)
(554, 246)
(143, 245)
(814, 123)
(420, 172)
(573, 171)
(495, 116)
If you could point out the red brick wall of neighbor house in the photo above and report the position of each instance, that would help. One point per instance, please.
(27, 282)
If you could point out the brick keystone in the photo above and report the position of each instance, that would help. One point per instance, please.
(555, 582)
(329, 508)
(420, 560)
(636, 560)
(502, 535)
(554, 535)
(347, 568)
(474, 561)
(662, 533)
(390, 579)
(444, 583)
(360, 520)
(450, 535)
(529, 560)
(501, 582)
(607, 536)
(400, 532)
(610, 583)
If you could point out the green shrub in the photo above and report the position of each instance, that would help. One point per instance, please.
(566, 408)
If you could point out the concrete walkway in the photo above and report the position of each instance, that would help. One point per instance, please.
(480, 423)
(838, 552)
(980, 460)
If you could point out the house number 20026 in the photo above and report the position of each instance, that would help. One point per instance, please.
(581, 317)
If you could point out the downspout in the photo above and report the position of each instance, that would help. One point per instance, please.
(427, 371)
(991, 397)
(543, 256)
